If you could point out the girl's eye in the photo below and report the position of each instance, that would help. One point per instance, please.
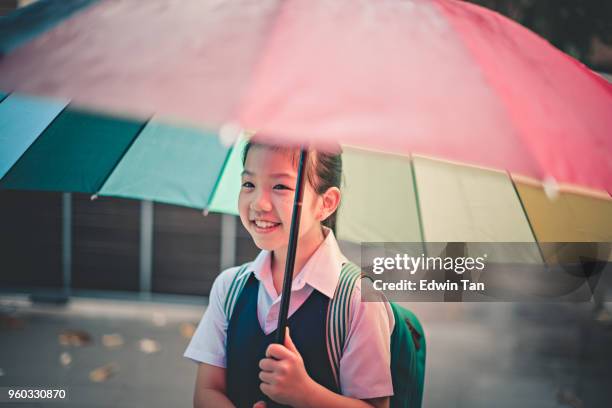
(281, 187)
(247, 184)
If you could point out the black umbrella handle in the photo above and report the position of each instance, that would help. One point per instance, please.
(291, 249)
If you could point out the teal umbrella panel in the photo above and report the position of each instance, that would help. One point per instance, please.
(22, 120)
(171, 164)
(227, 189)
(76, 153)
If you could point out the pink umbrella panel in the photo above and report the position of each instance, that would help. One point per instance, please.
(441, 78)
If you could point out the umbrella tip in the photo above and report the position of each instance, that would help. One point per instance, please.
(229, 133)
(205, 212)
(551, 188)
(93, 197)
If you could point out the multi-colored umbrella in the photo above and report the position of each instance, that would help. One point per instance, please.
(442, 78)
(435, 78)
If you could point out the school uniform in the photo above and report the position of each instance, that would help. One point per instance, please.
(240, 342)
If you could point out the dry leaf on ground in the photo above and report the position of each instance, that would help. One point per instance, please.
(187, 330)
(75, 338)
(149, 346)
(65, 359)
(103, 373)
(112, 340)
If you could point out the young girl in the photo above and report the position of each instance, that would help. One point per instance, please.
(239, 364)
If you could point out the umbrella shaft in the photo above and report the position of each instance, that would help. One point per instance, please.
(290, 262)
(291, 249)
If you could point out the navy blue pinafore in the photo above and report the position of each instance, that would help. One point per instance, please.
(247, 344)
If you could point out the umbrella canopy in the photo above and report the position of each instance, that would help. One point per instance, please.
(440, 78)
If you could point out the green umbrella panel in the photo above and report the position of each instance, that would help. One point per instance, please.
(170, 164)
(48, 147)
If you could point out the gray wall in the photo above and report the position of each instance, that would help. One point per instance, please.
(105, 244)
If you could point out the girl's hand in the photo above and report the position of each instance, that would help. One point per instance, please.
(283, 375)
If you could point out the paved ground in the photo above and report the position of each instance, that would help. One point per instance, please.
(479, 355)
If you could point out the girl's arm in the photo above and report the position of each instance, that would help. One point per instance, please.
(207, 346)
(210, 388)
(285, 380)
(322, 397)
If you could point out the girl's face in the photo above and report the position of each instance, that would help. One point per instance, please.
(266, 199)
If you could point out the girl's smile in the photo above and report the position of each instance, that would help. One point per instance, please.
(265, 227)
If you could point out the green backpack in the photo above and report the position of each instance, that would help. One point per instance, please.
(407, 339)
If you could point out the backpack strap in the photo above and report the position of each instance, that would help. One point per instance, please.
(338, 313)
(238, 282)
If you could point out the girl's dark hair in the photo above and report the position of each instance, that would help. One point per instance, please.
(323, 170)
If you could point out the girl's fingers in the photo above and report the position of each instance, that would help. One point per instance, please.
(266, 377)
(267, 364)
(265, 388)
(278, 351)
(289, 342)
(259, 404)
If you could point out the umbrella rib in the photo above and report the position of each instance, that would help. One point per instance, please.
(518, 196)
(212, 194)
(418, 203)
(101, 185)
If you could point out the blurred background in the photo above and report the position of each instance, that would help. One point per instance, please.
(101, 297)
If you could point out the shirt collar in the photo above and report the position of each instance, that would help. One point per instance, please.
(321, 271)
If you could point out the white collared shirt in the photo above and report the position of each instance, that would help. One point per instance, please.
(365, 363)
